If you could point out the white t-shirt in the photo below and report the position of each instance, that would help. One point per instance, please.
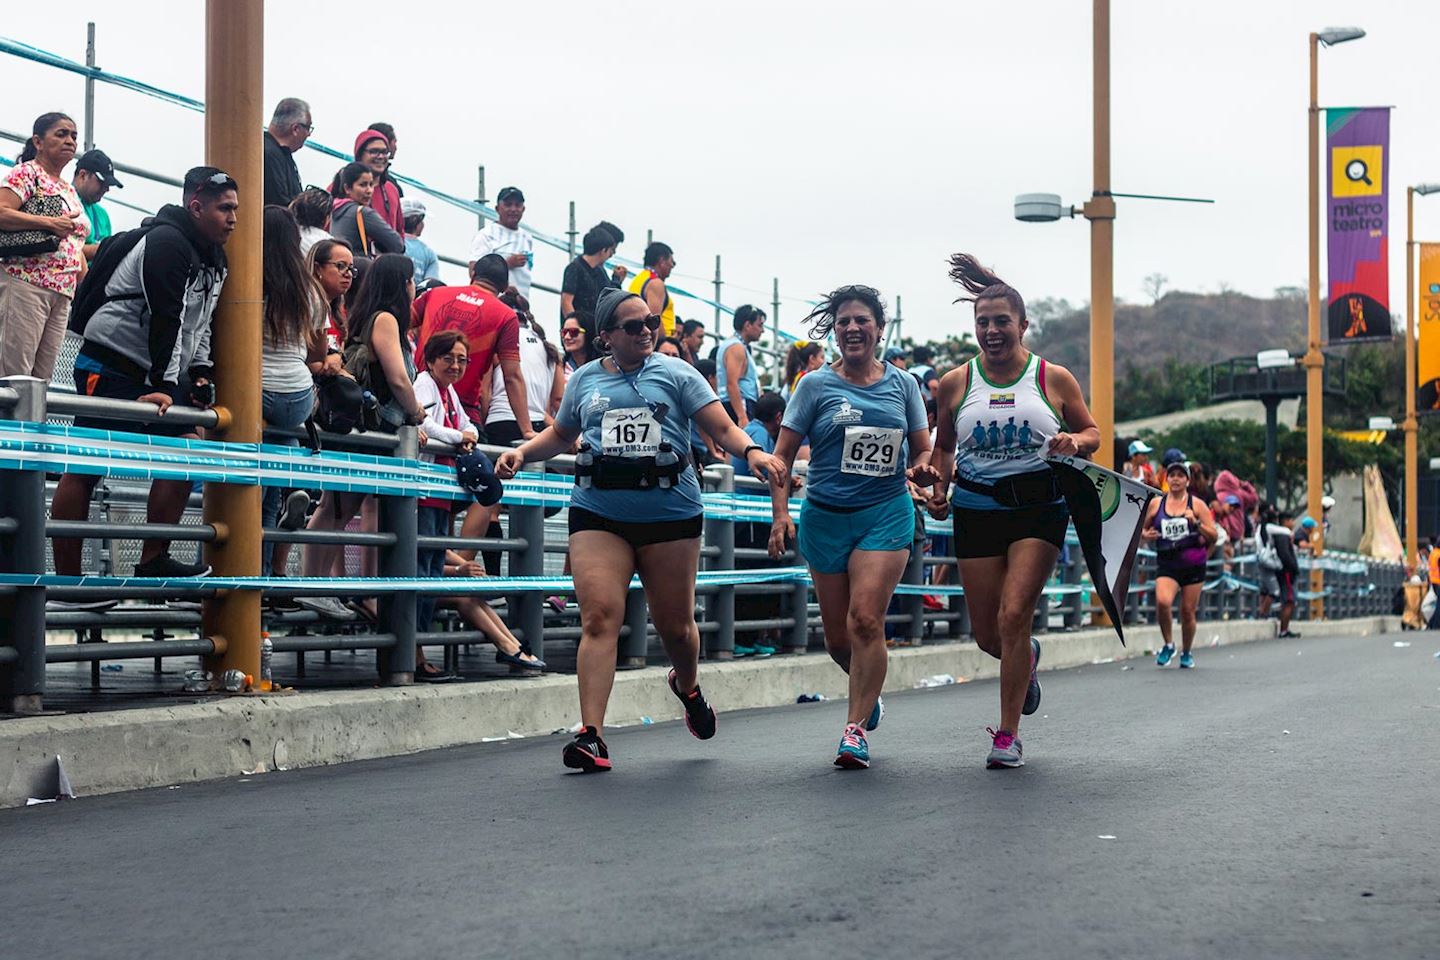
(539, 374)
(497, 239)
(309, 236)
(427, 392)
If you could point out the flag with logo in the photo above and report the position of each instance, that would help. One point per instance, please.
(1358, 223)
(1108, 510)
(1428, 369)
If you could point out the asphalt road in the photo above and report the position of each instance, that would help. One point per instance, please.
(1282, 800)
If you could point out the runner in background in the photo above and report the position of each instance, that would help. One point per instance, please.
(868, 435)
(1181, 529)
(998, 414)
(632, 411)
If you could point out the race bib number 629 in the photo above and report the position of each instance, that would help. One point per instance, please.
(871, 451)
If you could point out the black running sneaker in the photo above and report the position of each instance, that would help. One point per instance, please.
(1032, 695)
(167, 567)
(587, 752)
(699, 715)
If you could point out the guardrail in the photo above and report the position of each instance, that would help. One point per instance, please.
(388, 467)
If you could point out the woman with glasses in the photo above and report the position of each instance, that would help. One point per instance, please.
(868, 436)
(998, 415)
(577, 340)
(353, 220)
(633, 411)
(333, 266)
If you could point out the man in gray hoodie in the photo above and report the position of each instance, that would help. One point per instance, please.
(145, 311)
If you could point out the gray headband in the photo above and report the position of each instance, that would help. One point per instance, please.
(606, 304)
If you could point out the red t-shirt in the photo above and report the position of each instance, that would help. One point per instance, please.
(491, 327)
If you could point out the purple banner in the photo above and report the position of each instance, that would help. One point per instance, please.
(1358, 217)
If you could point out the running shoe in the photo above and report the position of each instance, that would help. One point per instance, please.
(587, 752)
(854, 752)
(556, 603)
(1005, 750)
(931, 602)
(877, 713)
(167, 567)
(80, 606)
(1032, 696)
(1289, 634)
(699, 715)
(743, 650)
(1186, 661)
(296, 511)
(1163, 657)
(327, 607)
(764, 649)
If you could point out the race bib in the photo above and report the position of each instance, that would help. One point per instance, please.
(1174, 528)
(871, 451)
(629, 432)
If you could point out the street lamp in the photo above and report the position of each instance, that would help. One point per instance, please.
(1412, 444)
(1314, 359)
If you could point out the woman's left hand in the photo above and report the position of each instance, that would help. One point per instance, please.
(768, 467)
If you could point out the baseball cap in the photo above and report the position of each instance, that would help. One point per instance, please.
(895, 353)
(99, 164)
(1327, 501)
(1140, 446)
(1176, 466)
(1307, 522)
(476, 474)
(411, 208)
(510, 195)
(1172, 455)
(1231, 499)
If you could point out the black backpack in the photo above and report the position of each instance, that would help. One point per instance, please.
(90, 296)
(341, 406)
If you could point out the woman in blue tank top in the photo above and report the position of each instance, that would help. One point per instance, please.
(1181, 529)
(1010, 522)
(868, 435)
(636, 506)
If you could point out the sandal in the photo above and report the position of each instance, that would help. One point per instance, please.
(427, 672)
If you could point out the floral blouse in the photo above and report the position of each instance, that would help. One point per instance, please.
(58, 271)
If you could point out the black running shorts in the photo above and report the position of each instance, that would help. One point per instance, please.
(989, 533)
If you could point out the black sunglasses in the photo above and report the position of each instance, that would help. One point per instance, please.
(636, 327)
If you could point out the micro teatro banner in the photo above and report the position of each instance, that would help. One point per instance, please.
(1428, 313)
(1358, 214)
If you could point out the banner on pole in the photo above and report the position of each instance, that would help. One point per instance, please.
(1427, 371)
(1108, 510)
(1358, 217)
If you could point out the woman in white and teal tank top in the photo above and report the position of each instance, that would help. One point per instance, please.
(998, 415)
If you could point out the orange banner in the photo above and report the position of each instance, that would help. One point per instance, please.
(1428, 314)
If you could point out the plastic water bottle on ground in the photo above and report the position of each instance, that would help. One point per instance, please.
(267, 655)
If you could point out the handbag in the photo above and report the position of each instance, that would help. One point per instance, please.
(31, 242)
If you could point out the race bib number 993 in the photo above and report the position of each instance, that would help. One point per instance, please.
(871, 451)
(1174, 528)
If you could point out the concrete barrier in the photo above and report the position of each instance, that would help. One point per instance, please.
(131, 749)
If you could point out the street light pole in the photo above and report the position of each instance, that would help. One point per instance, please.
(1314, 359)
(1412, 425)
(1100, 211)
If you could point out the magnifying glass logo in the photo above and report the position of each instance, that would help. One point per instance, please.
(1356, 171)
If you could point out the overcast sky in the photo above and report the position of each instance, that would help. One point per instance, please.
(818, 142)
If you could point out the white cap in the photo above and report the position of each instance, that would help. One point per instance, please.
(1327, 501)
(411, 208)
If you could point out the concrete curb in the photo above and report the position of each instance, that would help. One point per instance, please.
(133, 749)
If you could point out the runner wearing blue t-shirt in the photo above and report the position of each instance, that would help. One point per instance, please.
(632, 410)
(868, 434)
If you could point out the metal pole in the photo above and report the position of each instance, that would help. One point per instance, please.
(720, 533)
(234, 54)
(399, 515)
(717, 292)
(570, 236)
(775, 334)
(90, 87)
(1411, 426)
(22, 613)
(528, 522)
(1100, 211)
(1314, 359)
(899, 321)
(1272, 485)
(480, 194)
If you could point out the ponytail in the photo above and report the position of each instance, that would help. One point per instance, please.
(982, 284)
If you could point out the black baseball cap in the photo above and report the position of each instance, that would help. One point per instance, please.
(510, 195)
(99, 164)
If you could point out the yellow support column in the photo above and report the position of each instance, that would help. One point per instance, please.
(1100, 211)
(1411, 426)
(1314, 359)
(234, 116)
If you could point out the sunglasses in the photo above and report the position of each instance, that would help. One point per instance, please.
(571, 332)
(636, 327)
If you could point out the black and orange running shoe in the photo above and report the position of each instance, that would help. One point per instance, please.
(699, 715)
(587, 752)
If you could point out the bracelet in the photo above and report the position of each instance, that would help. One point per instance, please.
(745, 455)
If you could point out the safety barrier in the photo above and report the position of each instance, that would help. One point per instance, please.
(35, 440)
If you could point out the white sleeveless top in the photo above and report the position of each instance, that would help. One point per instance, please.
(1000, 429)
